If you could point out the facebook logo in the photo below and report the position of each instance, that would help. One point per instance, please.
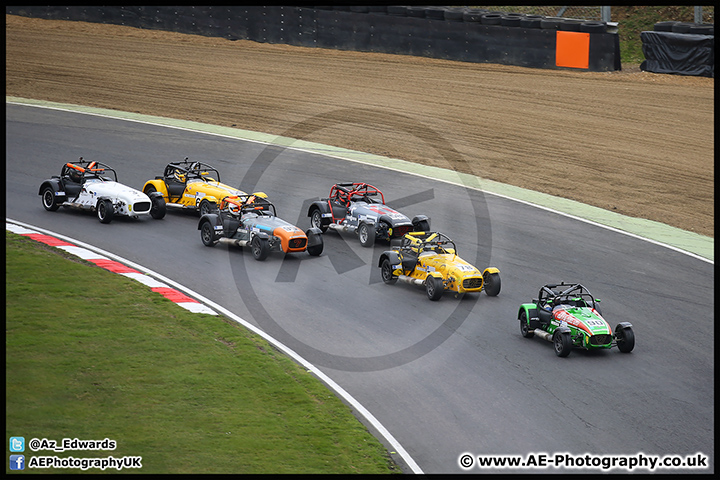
(17, 444)
(17, 462)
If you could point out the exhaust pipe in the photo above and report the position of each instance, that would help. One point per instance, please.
(411, 280)
(543, 334)
(342, 228)
(233, 241)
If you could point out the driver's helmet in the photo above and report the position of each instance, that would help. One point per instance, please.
(74, 175)
(179, 175)
(233, 208)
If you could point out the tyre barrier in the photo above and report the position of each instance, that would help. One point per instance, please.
(678, 51)
(491, 19)
(510, 21)
(450, 33)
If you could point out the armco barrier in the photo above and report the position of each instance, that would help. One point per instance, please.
(437, 32)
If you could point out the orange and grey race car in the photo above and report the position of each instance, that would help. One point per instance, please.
(251, 220)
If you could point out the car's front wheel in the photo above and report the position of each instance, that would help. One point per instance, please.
(105, 211)
(386, 271)
(158, 208)
(206, 207)
(524, 327)
(625, 338)
(207, 234)
(563, 343)
(422, 226)
(491, 283)
(260, 248)
(434, 288)
(48, 200)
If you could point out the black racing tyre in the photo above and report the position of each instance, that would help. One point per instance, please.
(702, 29)
(416, 11)
(530, 22)
(491, 284)
(207, 234)
(524, 327)
(260, 248)
(434, 288)
(682, 27)
(316, 220)
(664, 26)
(473, 15)
(48, 200)
(490, 19)
(158, 208)
(454, 15)
(593, 27)
(550, 23)
(625, 338)
(316, 249)
(569, 25)
(386, 272)
(510, 21)
(562, 343)
(206, 207)
(422, 226)
(400, 10)
(366, 234)
(435, 13)
(105, 211)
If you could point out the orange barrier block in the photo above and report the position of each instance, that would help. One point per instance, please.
(572, 49)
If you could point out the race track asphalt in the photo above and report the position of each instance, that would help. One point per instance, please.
(445, 377)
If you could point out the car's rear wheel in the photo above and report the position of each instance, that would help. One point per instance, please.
(386, 272)
(316, 220)
(524, 327)
(625, 338)
(491, 283)
(366, 234)
(207, 234)
(48, 200)
(434, 288)
(105, 211)
(562, 343)
(260, 248)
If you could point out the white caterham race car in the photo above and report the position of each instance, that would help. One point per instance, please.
(93, 186)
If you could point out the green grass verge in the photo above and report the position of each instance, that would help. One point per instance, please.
(93, 355)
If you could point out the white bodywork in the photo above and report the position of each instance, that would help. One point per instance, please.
(126, 200)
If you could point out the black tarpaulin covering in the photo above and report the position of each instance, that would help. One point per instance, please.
(681, 53)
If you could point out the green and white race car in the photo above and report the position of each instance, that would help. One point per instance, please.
(568, 315)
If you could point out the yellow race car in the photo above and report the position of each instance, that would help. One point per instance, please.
(430, 259)
(191, 186)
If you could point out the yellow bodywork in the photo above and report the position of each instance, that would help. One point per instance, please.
(195, 191)
(457, 274)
